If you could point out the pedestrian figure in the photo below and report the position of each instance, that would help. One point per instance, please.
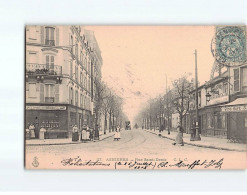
(193, 132)
(84, 133)
(36, 131)
(117, 134)
(32, 129)
(75, 135)
(91, 135)
(179, 139)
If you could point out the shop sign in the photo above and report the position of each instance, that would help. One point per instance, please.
(45, 107)
(238, 108)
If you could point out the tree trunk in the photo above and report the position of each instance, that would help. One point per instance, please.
(105, 125)
(113, 125)
(110, 124)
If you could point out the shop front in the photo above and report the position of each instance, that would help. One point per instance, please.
(53, 118)
(213, 122)
(237, 119)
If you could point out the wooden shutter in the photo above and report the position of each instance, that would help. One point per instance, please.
(42, 35)
(52, 60)
(56, 93)
(57, 36)
(47, 60)
(236, 79)
(41, 92)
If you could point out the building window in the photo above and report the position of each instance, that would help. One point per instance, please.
(244, 79)
(81, 78)
(76, 73)
(71, 95)
(81, 57)
(85, 63)
(210, 121)
(81, 100)
(49, 93)
(32, 90)
(76, 98)
(76, 50)
(220, 121)
(236, 79)
(71, 69)
(50, 62)
(204, 121)
(71, 42)
(49, 36)
(84, 102)
(225, 88)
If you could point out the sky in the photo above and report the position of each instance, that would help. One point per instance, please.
(136, 59)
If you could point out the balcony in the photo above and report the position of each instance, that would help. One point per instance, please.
(50, 42)
(43, 69)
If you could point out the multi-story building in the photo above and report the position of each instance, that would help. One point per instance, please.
(223, 105)
(62, 65)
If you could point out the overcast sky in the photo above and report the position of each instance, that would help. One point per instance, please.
(137, 58)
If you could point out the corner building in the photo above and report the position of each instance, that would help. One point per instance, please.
(62, 65)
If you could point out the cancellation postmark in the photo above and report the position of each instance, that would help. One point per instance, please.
(229, 45)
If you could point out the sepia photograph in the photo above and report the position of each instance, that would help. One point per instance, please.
(135, 97)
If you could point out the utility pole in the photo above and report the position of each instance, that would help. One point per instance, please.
(197, 136)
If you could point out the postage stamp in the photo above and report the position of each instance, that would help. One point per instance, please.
(229, 45)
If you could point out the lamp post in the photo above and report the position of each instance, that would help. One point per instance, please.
(197, 136)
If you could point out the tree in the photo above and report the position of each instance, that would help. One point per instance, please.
(100, 95)
(168, 108)
(181, 96)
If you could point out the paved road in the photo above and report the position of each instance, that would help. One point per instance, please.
(134, 144)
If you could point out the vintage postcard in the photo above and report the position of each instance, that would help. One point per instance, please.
(135, 97)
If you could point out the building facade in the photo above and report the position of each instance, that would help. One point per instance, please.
(222, 105)
(62, 65)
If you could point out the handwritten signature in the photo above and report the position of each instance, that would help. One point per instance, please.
(78, 162)
(217, 164)
(152, 165)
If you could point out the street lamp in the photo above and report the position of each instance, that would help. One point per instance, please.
(208, 96)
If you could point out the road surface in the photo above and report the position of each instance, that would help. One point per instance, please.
(134, 145)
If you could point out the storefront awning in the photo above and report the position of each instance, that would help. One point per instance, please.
(238, 105)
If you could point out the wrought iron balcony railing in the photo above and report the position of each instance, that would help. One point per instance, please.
(50, 42)
(45, 69)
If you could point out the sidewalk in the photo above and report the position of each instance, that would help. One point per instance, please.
(206, 142)
(38, 142)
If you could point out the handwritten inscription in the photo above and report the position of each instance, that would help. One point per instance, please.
(181, 164)
(138, 164)
(78, 162)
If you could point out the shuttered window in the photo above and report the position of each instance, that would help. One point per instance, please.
(236, 79)
(32, 90)
(244, 79)
(71, 69)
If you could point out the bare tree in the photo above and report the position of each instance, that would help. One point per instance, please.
(181, 96)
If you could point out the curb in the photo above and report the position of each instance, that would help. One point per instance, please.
(199, 145)
(80, 142)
